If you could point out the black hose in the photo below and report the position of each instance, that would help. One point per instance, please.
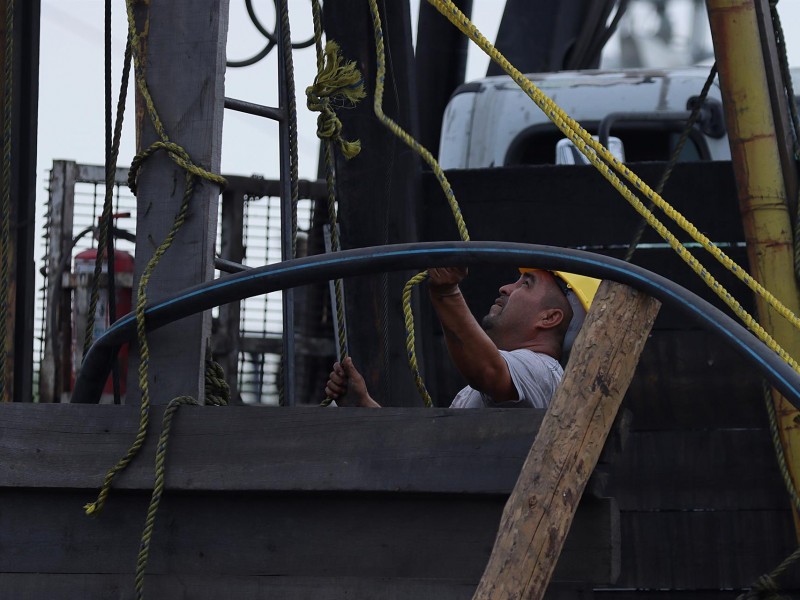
(362, 261)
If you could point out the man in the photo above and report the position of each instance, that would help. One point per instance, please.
(512, 360)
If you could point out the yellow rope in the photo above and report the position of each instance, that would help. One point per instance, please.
(336, 81)
(597, 154)
(440, 176)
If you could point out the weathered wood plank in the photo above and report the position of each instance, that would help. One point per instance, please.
(434, 537)
(698, 470)
(693, 380)
(704, 549)
(540, 510)
(252, 448)
(47, 586)
(185, 67)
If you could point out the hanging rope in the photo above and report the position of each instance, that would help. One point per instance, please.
(288, 74)
(217, 393)
(105, 241)
(443, 182)
(673, 159)
(606, 163)
(337, 84)
(5, 202)
(182, 158)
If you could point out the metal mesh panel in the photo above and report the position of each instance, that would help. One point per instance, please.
(261, 322)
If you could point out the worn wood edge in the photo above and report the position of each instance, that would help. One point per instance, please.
(270, 449)
(539, 512)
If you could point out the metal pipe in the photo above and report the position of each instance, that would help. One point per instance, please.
(259, 110)
(404, 257)
(761, 186)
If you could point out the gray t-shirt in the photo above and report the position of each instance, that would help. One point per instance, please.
(535, 376)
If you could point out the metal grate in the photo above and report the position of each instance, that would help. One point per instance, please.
(260, 320)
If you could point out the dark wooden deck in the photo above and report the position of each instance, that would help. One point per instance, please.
(273, 502)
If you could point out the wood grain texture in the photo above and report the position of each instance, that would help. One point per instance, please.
(539, 512)
(436, 538)
(267, 448)
(184, 54)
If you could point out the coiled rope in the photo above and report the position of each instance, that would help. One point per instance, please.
(607, 164)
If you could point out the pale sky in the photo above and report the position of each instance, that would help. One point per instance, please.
(71, 113)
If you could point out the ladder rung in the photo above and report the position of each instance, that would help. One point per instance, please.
(276, 114)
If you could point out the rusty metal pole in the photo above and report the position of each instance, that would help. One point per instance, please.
(755, 151)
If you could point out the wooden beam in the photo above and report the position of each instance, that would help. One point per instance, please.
(185, 68)
(539, 512)
(54, 370)
(232, 249)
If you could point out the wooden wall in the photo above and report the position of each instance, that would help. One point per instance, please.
(703, 507)
(273, 503)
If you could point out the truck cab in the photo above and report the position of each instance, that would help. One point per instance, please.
(492, 122)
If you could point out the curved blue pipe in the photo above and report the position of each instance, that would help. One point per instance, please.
(363, 261)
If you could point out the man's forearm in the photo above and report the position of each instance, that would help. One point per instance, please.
(473, 353)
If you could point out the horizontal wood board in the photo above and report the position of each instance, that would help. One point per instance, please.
(235, 534)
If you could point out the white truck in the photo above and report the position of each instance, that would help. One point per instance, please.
(492, 122)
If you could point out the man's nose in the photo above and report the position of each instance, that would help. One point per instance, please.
(505, 290)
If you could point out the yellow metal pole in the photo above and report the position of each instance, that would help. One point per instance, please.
(760, 183)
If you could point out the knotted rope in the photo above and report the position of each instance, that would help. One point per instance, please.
(338, 84)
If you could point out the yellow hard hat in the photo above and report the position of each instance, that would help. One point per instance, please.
(583, 287)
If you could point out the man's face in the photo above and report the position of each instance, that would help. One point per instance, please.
(519, 304)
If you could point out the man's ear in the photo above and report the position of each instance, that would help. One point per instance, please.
(550, 317)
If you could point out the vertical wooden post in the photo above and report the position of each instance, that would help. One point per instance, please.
(183, 49)
(54, 370)
(232, 249)
(539, 512)
(760, 181)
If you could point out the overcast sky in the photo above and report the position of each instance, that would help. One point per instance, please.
(71, 113)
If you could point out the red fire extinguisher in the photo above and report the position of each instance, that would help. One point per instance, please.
(82, 284)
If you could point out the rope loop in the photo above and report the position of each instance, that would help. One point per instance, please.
(179, 156)
(338, 83)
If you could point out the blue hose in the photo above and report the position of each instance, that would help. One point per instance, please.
(379, 259)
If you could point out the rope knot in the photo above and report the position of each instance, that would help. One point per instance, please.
(338, 83)
(218, 392)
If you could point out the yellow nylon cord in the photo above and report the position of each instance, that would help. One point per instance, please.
(593, 150)
(443, 182)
